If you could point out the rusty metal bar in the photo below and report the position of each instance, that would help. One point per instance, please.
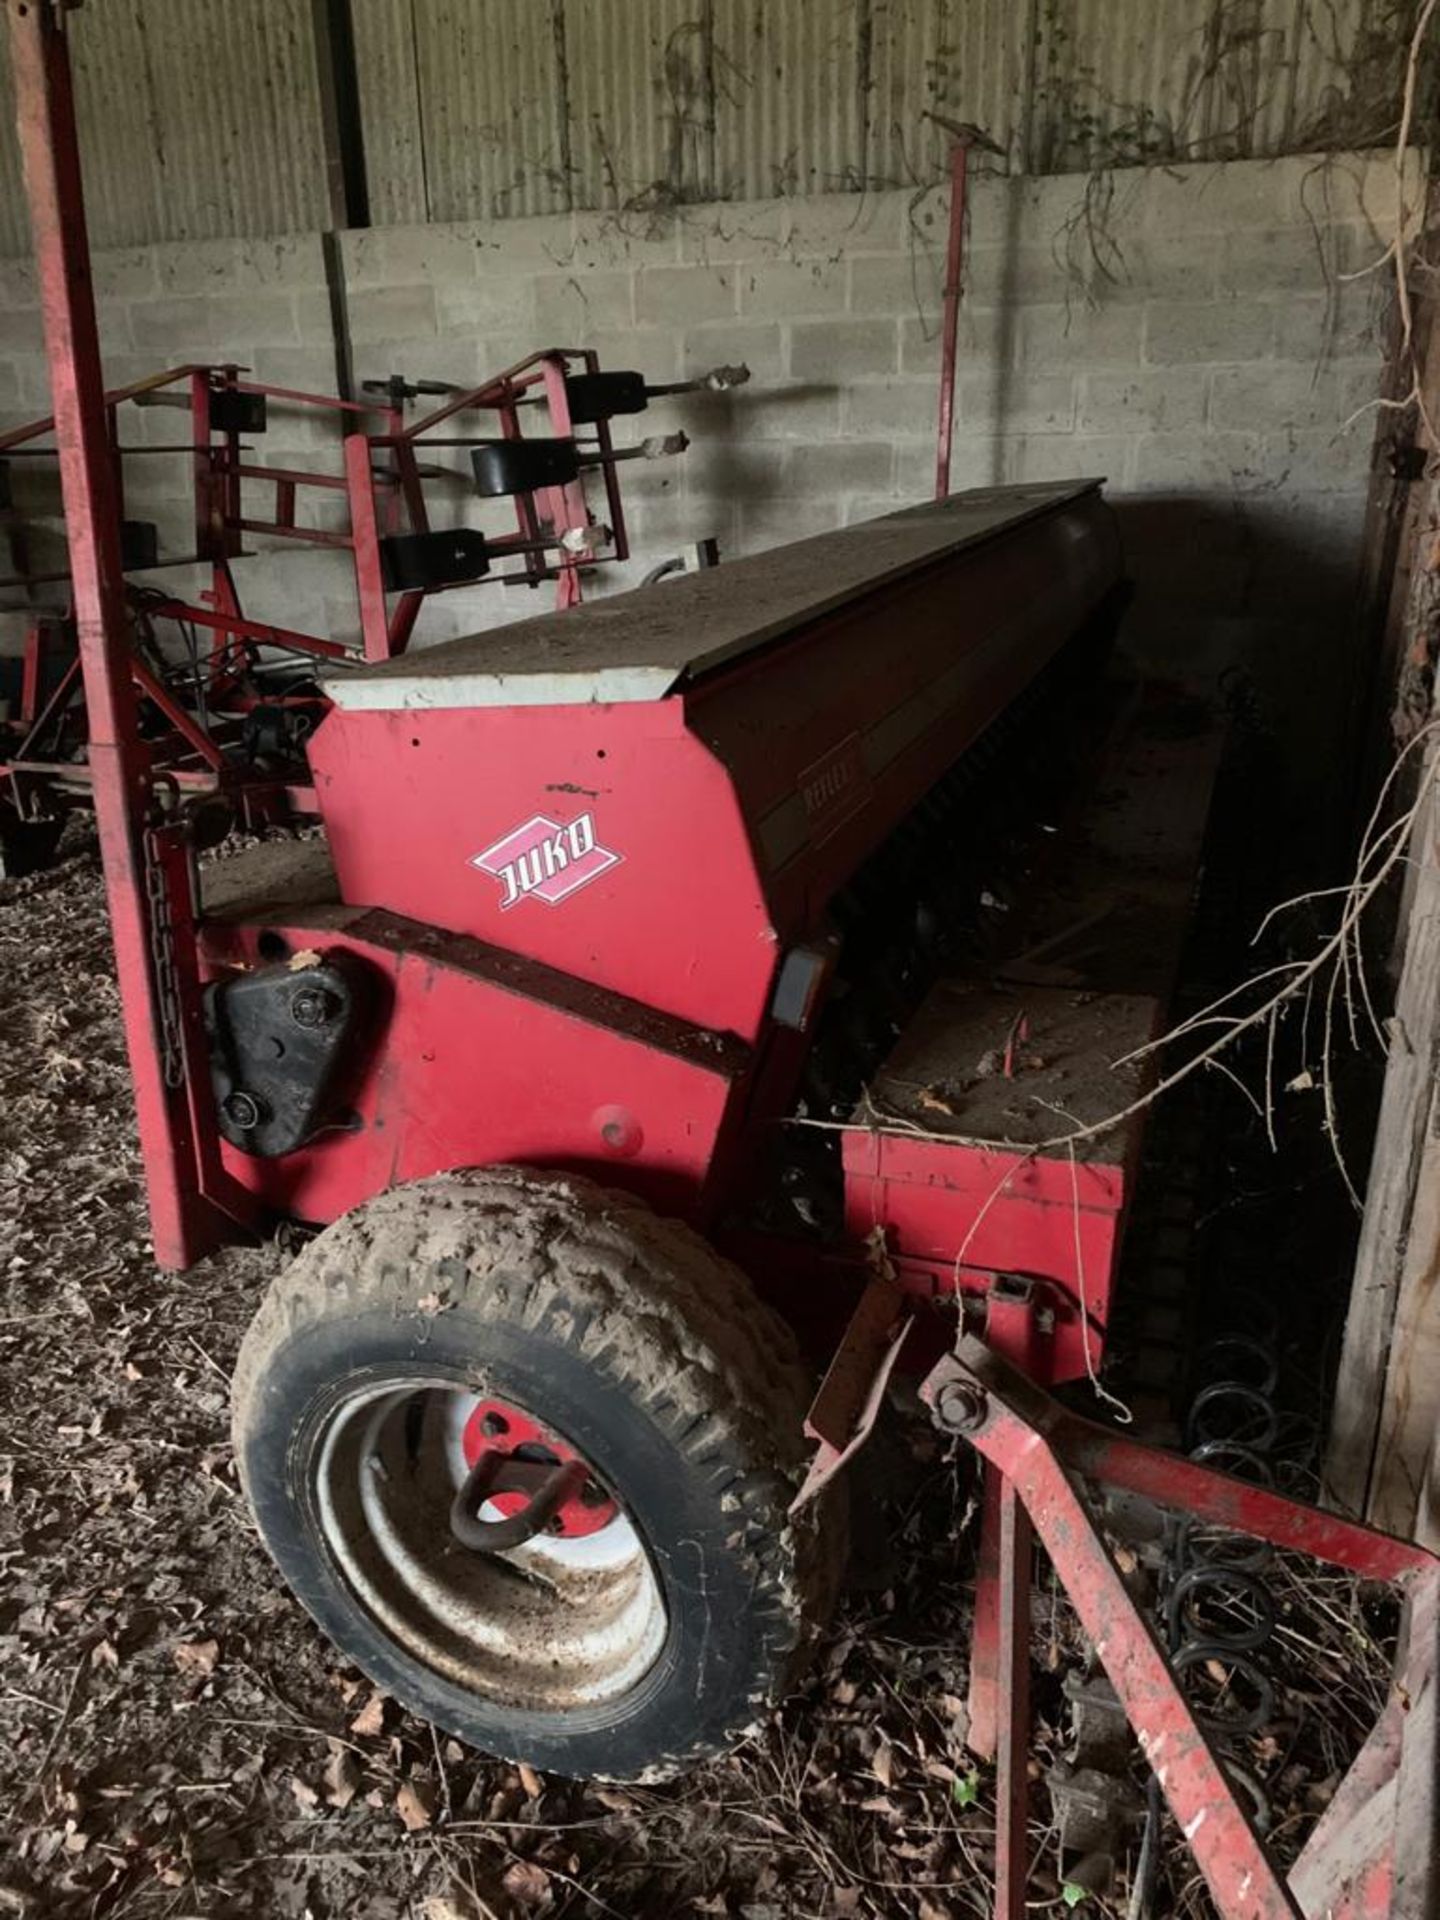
(950, 321)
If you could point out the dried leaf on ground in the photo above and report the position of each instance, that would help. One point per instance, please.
(197, 1658)
(527, 1884)
(342, 1778)
(415, 1803)
(304, 1793)
(369, 1723)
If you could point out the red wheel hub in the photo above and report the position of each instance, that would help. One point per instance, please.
(497, 1427)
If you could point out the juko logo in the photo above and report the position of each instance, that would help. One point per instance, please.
(546, 859)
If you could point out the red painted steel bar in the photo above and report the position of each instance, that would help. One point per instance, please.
(33, 429)
(1175, 1482)
(1016, 1556)
(365, 531)
(950, 321)
(181, 1226)
(1337, 1874)
(1010, 1331)
(261, 631)
(1206, 1807)
(1040, 1451)
(189, 730)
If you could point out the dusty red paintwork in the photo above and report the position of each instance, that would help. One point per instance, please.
(487, 1059)
(724, 844)
(694, 790)
(957, 1212)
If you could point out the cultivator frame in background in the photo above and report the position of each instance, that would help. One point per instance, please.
(681, 1040)
(396, 555)
(223, 408)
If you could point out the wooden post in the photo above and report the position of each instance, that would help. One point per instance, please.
(1382, 1450)
(1387, 1405)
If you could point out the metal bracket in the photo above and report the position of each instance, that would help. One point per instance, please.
(844, 1411)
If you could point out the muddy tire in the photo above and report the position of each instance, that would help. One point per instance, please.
(632, 1653)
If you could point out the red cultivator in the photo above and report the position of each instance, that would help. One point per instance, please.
(607, 902)
(239, 699)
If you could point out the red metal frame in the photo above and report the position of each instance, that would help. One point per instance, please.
(1355, 1864)
(383, 464)
(540, 538)
(183, 1222)
(140, 789)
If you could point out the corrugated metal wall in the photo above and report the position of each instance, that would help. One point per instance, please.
(200, 118)
(479, 108)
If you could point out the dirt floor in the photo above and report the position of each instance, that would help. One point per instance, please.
(176, 1739)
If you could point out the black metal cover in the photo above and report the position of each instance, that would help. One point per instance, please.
(598, 396)
(411, 562)
(522, 466)
(233, 412)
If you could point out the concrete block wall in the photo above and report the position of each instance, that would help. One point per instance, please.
(1190, 333)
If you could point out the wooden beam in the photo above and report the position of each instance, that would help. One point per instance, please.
(1387, 1396)
(1390, 1363)
(1410, 1407)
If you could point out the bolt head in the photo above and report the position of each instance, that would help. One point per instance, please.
(243, 1110)
(959, 1407)
(310, 1007)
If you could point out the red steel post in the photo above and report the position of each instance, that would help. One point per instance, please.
(950, 321)
(365, 532)
(1012, 1755)
(181, 1227)
(568, 510)
(1011, 1331)
(1000, 1648)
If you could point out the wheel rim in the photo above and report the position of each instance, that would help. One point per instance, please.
(552, 1624)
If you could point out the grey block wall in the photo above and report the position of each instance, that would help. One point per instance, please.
(1195, 334)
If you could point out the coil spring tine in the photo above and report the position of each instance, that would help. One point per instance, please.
(1233, 1424)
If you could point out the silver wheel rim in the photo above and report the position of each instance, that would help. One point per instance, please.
(551, 1625)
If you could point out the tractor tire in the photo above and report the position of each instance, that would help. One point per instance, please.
(633, 1653)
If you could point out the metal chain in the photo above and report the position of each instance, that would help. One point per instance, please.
(162, 959)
